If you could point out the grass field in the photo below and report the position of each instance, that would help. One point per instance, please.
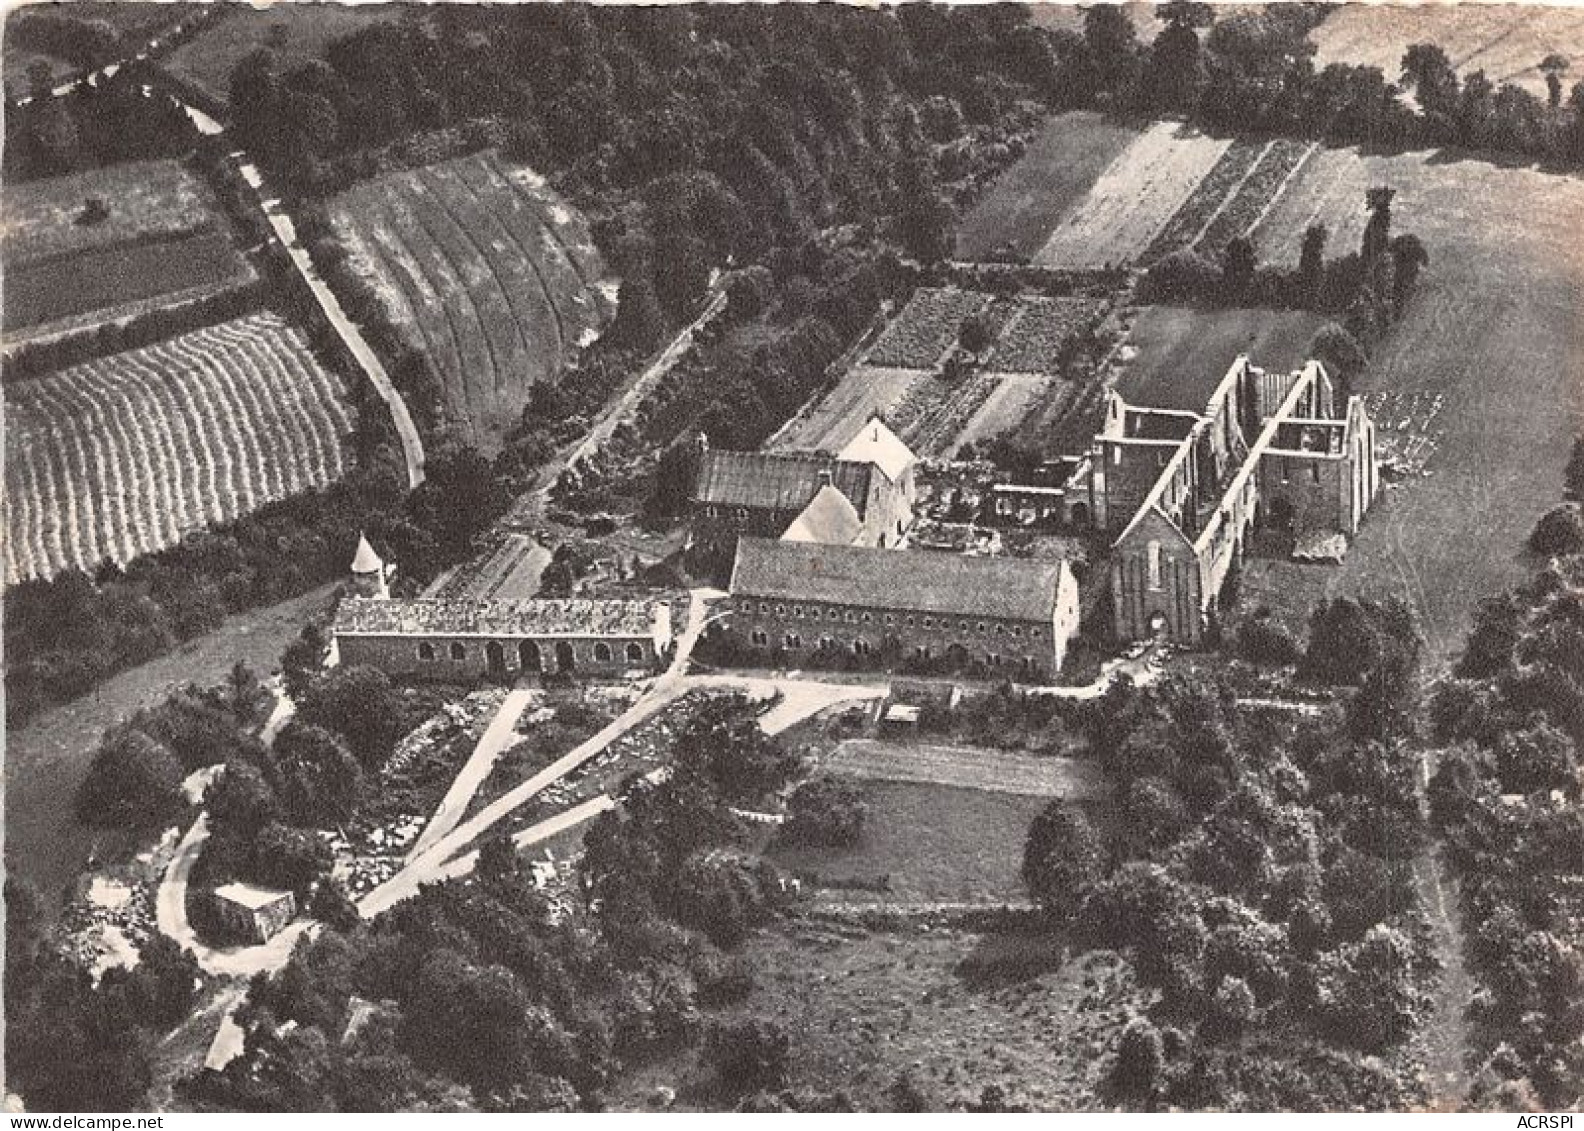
(862, 1008)
(935, 843)
(1054, 173)
(123, 455)
(1177, 355)
(164, 241)
(1134, 198)
(296, 32)
(1505, 42)
(1490, 343)
(485, 268)
(967, 767)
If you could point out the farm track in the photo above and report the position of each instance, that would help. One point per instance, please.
(122, 456)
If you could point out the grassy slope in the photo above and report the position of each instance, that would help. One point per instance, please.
(862, 1008)
(1496, 330)
(1506, 44)
(1053, 175)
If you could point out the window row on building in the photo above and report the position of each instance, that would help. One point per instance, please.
(889, 620)
(528, 652)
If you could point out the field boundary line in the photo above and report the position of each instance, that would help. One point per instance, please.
(1230, 195)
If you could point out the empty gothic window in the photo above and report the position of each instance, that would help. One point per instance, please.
(763, 607)
(890, 619)
(962, 626)
(780, 610)
(602, 653)
(860, 647)
(993, 659)
(760, 637)
(1154, 565)
(1016, 631)
(1000, 630)
(867, 618)
(1314, 472)
(426, 651)
(797, 611)
(826, 643)
(981, 627)
(929, 622)
(793, 641)
(458, 651)
(635, 653)
(910, 622)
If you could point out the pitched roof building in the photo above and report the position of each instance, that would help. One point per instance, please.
(796, 596)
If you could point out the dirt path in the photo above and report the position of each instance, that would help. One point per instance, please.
(1445, 1039)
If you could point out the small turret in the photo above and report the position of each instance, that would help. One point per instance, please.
(370, 577)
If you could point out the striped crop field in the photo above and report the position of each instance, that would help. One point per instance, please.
(125, 454)
(487, 271)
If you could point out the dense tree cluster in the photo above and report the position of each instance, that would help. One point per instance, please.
(135, 778)
(1506, 799)
(109, 122)
(1256, 877)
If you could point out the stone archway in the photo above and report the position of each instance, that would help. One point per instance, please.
(528, 657)
(566, 660)
(495, 657)
(1159, 626)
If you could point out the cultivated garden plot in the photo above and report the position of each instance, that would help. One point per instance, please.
(1134, 198)
(920, 336)
(1206, 200)
(487, 271)
(125, 454)
(1279, 163)
(1040, 330)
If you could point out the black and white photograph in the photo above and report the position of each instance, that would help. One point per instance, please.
(792, 558)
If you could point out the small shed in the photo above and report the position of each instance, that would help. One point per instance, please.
(254, 913)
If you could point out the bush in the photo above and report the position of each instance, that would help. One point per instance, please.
(1260, 640)
(1139, 1060)
(1063, 859)
(749, 1056)
(360, 705)
(825, 812)
(1559, 531)
(133, 782)
(1181, 275)
(288, 858)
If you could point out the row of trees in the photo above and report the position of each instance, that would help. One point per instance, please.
(1254, 73)
(1505, 799)
(92, 126)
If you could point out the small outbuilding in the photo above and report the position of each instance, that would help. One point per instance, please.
(254, 913)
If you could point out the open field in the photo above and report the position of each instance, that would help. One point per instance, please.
(1175, 356)
(862, 1008)
(295, 32)
(1487, 353)
(934, 842)
(1133, 198)
(484, 268)
(125, 454)
(164, 242)
(1505, 43)
(967, 767)
(1053, 174)
(1014, 399)
(1034, 337)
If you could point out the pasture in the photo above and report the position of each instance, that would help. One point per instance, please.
(1491, 342)
(484, 268)
(297, 33)
(1506, 44)
(163, 241)
(124, 455)
(930, 843)
(862, 1008)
